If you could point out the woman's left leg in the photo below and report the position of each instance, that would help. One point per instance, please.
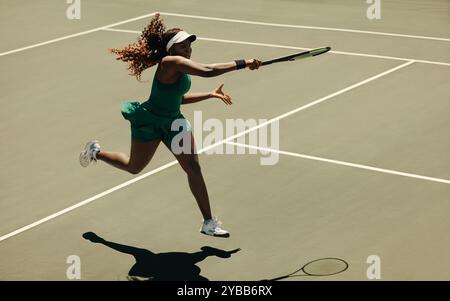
(190, 164)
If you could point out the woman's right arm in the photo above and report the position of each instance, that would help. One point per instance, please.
(184, 65)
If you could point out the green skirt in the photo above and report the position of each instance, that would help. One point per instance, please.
(147, 126)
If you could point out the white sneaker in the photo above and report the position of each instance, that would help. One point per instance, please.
(89, 153)
(212, 227)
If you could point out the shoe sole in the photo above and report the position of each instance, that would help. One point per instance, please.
(216, 235)
(83, 161)
(83, 154)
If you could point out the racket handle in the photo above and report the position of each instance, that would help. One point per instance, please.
(276, 279)
(276, 61)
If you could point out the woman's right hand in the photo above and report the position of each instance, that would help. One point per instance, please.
(253, 64)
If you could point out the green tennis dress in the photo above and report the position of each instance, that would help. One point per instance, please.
(152, 119)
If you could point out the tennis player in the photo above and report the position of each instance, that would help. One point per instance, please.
(151, 120)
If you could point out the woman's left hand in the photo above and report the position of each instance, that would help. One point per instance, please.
(218, 93)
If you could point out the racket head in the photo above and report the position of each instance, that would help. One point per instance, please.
(318, 51)
(319, 267)
(311, 53)
(299, 55)
(325, 267)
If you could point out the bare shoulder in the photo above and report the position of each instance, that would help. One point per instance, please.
(173, 64)
(173, 60)
(167, 72)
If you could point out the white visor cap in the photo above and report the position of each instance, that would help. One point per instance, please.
(180, 37)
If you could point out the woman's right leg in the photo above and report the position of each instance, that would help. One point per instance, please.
(140, 155)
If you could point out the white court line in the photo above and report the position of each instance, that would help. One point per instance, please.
(76, 34)
(313, 103)
(87, 201)
(360, 166)
(300, 48)
(123, 30)
(332, 51)
(307, 27)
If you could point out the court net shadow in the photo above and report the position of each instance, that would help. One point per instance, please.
(170, 266)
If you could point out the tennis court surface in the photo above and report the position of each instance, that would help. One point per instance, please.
(363, 155)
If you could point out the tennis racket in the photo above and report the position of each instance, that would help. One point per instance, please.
(318, 267)
(297, 56)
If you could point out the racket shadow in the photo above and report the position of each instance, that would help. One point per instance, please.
(321, 267)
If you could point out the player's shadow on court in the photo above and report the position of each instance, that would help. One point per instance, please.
(170, 266)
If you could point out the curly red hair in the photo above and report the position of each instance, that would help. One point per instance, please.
(148, 50)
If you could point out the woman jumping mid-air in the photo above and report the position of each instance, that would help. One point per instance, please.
(151, 121)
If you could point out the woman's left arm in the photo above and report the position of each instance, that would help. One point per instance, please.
(217, 93)
(195, 97)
